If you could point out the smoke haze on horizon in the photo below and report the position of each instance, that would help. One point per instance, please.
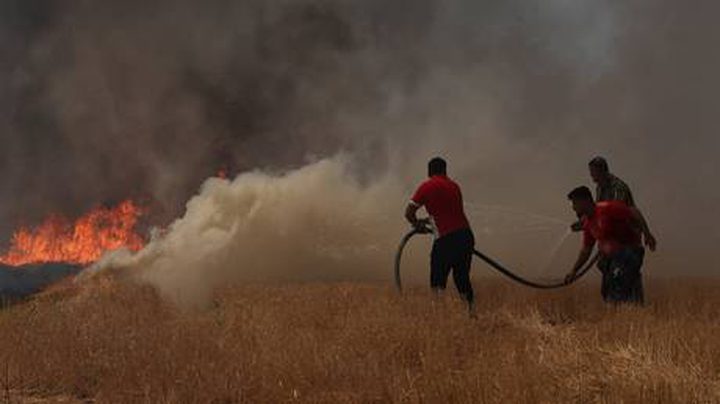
(107, 100)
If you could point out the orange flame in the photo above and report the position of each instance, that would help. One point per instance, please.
(82, 242)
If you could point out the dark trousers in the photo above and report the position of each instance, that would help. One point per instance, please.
(453, 252)
(622, 277)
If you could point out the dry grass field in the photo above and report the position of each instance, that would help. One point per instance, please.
(115, 342)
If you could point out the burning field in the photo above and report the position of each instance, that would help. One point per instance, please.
(250, 297)
(80, 242)
(58, 248)
(221, 307)
(200, 201)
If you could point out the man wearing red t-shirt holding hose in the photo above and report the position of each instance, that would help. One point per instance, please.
(453, 247)
(617, 229)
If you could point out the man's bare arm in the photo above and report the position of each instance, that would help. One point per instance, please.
(422, 225)
(411, 214)
(582, 258)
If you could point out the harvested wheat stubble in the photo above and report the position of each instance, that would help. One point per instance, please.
(113, 341)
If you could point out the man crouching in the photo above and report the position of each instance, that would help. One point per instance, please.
(618, 229)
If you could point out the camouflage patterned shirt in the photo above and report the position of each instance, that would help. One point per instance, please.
(615, 190)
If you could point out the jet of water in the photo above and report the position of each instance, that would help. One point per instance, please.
(552, 253)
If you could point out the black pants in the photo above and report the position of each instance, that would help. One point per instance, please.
(453, 252)
(621, 276)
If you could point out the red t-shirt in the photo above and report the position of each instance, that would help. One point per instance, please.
(442, 199)
(612, 225)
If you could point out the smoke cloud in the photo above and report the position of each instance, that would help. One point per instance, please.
(314, 223)
(107, 100)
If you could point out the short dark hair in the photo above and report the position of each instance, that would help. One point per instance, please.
(580, 193)
(437, 166)
(600, 163)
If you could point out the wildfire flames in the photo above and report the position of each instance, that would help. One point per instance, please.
(82, 242)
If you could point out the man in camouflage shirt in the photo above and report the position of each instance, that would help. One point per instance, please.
(608, 186)
(611, 188)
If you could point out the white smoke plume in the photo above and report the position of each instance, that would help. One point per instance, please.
(313, 223)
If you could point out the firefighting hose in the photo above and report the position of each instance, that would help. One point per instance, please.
(492, 263)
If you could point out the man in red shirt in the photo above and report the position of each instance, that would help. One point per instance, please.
(454, 243)
(618, 230)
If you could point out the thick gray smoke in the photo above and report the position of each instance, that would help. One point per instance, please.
(106, 100)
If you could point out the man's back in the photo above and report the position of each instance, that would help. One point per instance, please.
(612, 225)
(443, 200)
(614, 190)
